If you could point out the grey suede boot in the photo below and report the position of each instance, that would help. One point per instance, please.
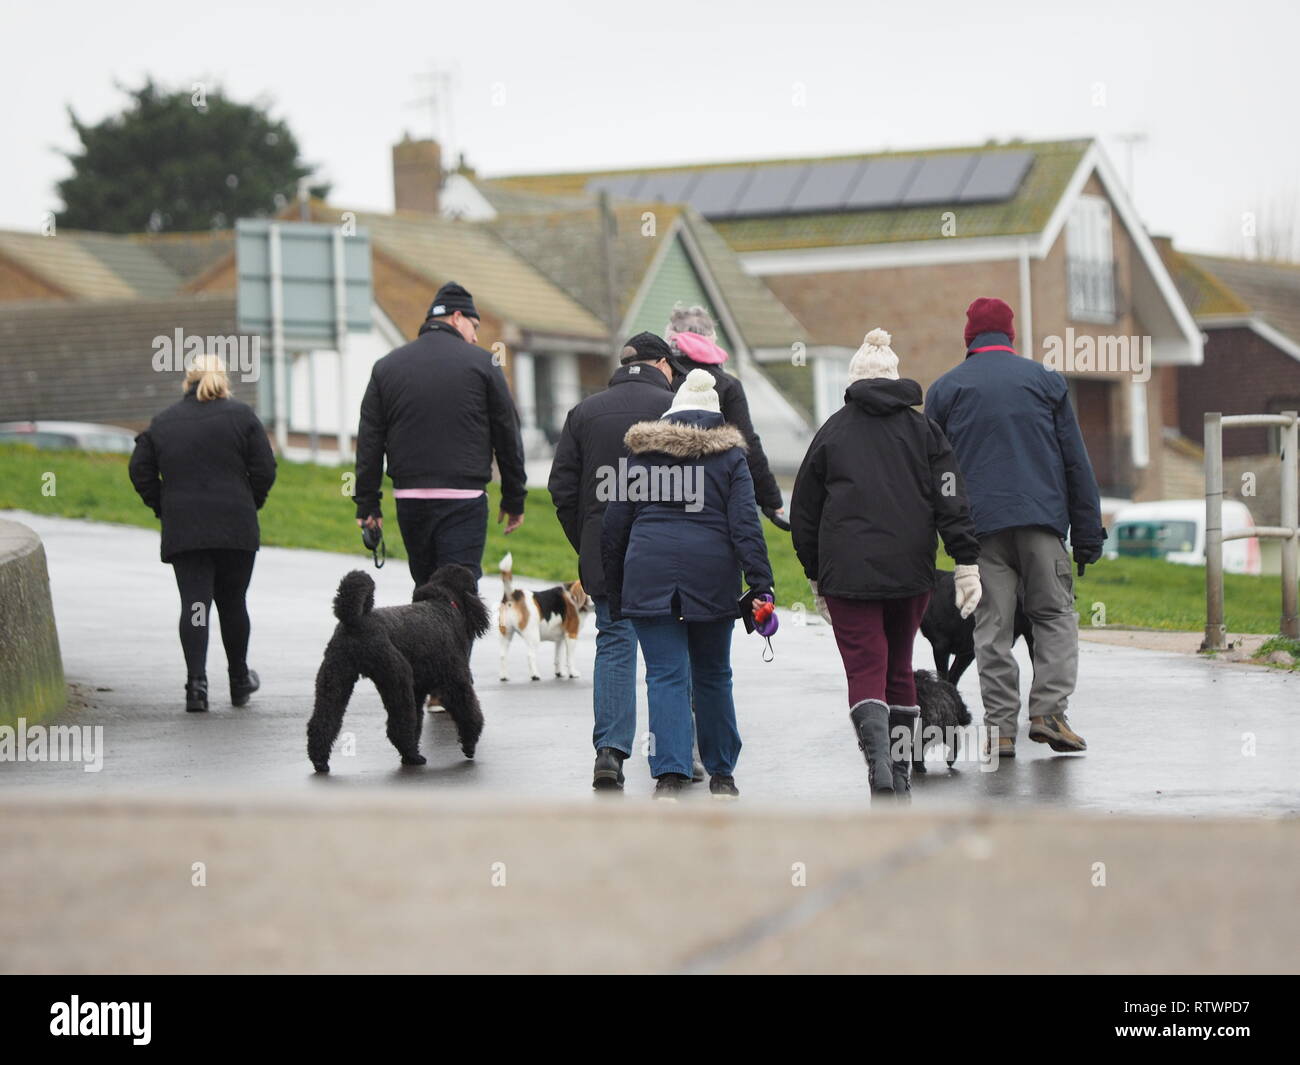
(903, 748)
(871, 723)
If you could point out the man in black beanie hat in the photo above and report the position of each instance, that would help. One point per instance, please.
(439, 408)
(592, 440)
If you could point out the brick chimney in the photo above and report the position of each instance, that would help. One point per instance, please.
(417, 175)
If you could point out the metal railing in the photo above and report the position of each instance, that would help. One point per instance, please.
(1289, 422)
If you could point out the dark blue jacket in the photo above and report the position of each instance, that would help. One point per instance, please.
(682, 557)
(1018, 444)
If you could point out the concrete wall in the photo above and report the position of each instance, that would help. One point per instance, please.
(31, 670)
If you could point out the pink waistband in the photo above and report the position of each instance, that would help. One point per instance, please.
(437, 493)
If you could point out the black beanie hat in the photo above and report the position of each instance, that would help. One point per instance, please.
(451, 298)
(645, 347)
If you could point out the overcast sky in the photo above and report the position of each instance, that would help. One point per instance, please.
(540, 86)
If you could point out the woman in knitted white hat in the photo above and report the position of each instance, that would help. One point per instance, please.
(878, 482)
(673, 564)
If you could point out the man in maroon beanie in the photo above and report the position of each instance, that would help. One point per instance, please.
(1030, 485)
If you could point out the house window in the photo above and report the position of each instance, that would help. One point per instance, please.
(1090, 261)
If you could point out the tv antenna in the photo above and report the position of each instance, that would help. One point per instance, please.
(438, 101)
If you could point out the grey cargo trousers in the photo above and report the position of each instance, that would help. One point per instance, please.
(1034, 560)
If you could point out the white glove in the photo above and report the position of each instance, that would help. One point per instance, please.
(967, 579)
(820, 604)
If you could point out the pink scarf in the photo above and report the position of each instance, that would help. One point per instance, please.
(699, 349)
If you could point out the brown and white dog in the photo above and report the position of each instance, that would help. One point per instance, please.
(554, 614)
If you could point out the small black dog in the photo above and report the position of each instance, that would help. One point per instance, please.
(951, 635)
(410, 652)
(942, 707)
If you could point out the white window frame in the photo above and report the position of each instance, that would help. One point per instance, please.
(1090, 261)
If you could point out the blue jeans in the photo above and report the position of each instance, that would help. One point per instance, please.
(614, 681)
(685, 659)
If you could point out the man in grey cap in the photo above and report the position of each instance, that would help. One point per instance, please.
(439, 409)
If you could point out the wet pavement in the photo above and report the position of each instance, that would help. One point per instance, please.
(1168, 733)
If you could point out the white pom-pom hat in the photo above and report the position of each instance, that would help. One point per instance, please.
(874, 358)
(697, 393)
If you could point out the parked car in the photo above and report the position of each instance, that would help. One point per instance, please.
(1174, 529)
(62, 436)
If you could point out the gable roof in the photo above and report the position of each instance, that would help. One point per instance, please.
(1225, 292)
(1028, 211)
(441, 250)
(98, 365)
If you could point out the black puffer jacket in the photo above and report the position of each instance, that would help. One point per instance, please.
(439, 408)
(592, 442)
(877, 483)
(205, 469)
(735, 411)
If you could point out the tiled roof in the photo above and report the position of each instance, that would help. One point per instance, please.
(499, 278)
(1026, 212)
(567, 246)
(94, 266)
(762, 318)
(1215, 286)
(188, 254)
(98, 365)
(1270, 290)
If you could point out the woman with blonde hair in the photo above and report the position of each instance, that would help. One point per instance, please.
(204, 467)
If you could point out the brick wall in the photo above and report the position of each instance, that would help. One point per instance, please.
(1242, 374)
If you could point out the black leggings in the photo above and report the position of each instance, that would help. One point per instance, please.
(204, 576)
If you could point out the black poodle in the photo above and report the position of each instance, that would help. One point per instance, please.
(953, 636)
(410, 652)
(943, 708)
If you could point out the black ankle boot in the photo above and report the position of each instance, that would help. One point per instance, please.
(196, 695)
(242, 687)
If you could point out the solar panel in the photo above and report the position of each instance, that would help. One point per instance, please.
(996, 176)
(672, 187)
(826, 187)
(772, 188)
(627, 186)
(883, 183)
(717, 192)
(938, 180)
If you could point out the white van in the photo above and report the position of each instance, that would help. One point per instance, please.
(1174, 529)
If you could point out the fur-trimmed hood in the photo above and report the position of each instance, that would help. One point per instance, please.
(681, 440)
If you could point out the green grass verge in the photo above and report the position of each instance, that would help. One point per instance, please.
(309, 508)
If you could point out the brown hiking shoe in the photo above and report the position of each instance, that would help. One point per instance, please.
(1006, 747)
(1055, 731)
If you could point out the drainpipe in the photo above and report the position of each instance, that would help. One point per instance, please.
(1026, 304)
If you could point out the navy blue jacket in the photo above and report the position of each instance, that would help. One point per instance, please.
(1018, 444)
(592, 441)
(683, 557)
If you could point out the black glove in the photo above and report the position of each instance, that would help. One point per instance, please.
(615, 608)
(1085, 555)
(774, 516)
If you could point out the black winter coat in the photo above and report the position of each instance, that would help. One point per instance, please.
(205, 469)
(592, 442)
(735, 411)
(877, 483)
(439, 408)
(665, 560)
(1018, 444)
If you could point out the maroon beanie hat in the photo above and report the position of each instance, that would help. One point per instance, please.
(988, 314)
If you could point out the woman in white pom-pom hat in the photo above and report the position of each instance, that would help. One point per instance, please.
(674, 566)
(878, 482)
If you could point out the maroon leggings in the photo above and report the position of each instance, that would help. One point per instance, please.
(876, 637)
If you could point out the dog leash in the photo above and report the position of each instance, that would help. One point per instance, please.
(372, 537)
